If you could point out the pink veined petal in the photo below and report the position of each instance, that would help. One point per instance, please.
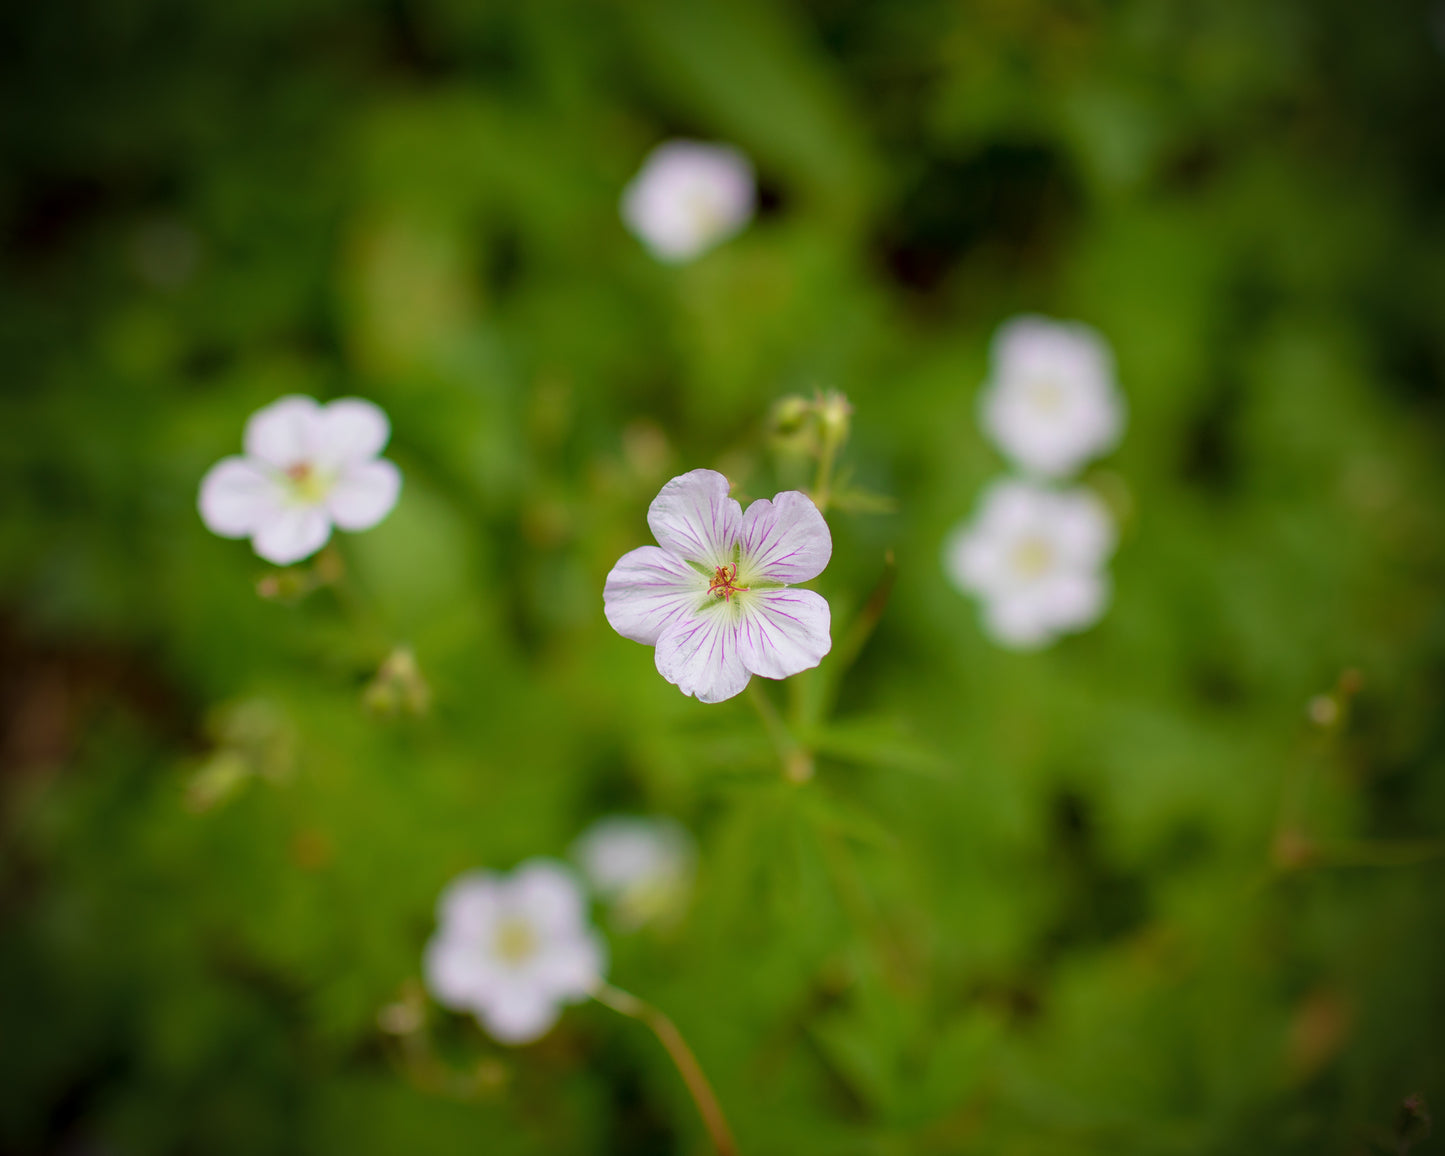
(285, 432)
(237, 495)
(782, 632)
(364, 494)
(350, 429)
(291, 534)
(694, 518)
(548, 895)
(648, 591)
(699, 654)
(786, 540)
(518, 1014)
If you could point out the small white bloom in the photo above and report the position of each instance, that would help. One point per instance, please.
(688, 197)
(1051, 403)
(306, 467)
(642, 867)
(512, 949)
(714, 598)
(1035, 557)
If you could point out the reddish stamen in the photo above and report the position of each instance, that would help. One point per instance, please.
(723, 583)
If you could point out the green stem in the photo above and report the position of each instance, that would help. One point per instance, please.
(692, 1074)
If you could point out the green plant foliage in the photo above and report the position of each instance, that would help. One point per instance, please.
(1171, 887)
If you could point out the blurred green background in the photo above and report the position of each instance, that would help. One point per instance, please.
(1120, 897)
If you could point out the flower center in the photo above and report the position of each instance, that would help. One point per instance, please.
(1046, 395)
(307, 484)
(515, 942)
(1032, 557)
(724, 583)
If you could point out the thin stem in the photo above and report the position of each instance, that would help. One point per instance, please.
(692, 1075)
(796, 759)
(823, 481)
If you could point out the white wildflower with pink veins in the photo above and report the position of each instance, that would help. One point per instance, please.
(307, 467)
(716, 595)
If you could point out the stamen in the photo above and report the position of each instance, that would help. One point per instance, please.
(724, 583)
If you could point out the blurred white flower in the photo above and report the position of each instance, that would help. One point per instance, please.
(512, 949)
(642, 867)
(714, 597)
(688, 197)
(306, 467)
(1035, 557)
(1051, 403)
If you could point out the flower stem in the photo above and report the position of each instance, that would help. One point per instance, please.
(692, 1075)
(797, 760)
(823, 481)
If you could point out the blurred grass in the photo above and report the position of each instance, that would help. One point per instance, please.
(1076, 902)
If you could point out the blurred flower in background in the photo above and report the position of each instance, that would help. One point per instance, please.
(1035, 557)
(513, 949)
(1051, 404)
(306, 468)
(641, 866)
(689, 197)
(713, 597)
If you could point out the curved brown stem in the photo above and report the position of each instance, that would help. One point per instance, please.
(692, 1075)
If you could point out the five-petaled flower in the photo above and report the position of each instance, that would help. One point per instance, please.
(306, 467)
(1035, 557)
(713, 596)
(1051, 403)
(688, 197)
(512, 949)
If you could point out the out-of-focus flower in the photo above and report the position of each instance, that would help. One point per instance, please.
(688, 197)
(713, 596)
(642, 867)
(1051, 403)
(1035, 557)
(306, 468)
(512, 949)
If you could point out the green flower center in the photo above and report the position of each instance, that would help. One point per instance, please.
(515, 942)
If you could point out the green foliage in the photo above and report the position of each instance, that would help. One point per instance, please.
(1119, 897)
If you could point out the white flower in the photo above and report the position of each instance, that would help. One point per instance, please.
(306, 467)
(714, 598)
(513, 948)
(1051, 403)
(1035, 557)
(641, 866)
(688, 197)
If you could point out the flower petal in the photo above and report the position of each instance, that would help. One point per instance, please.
(350, 430)
(786, 540)
(1076, 599)
(1017, 621)
(571, 968)
(694, 518)
(455, 971)
(292, 533)
(548, 896)
(1083, 528)
(364, 494)
(285, 432)
(783, 632)
(699, 654)
(236, 496)
(648, 591)
(518, 1014)
(470, 904)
